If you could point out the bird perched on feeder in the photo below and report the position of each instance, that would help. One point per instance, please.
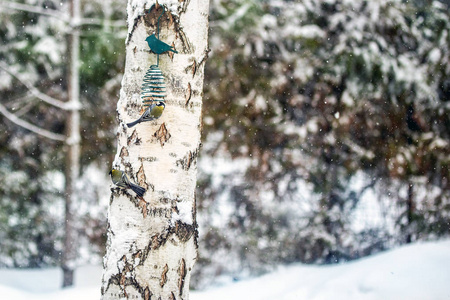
(153, 112)
(158, 46)
(121, 179)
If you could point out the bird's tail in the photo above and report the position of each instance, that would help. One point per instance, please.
(173, 50)
(139, 190)
(134, 123)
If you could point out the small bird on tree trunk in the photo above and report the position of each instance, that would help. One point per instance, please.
(121, 179)
(153, 112)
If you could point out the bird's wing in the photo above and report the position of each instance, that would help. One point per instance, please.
(125, 181)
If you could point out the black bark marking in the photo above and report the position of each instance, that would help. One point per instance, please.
(184, 40)
(148, 159)
(116, 191)
(184, 6)
(133, 138)
(171, 54)
(156, 241)
(188, 95)
(182, 272)
(142, 180)
(143, 206)
(204, 58)
(193, 68)
(164, 276)
(122, 279)
(159, 212)
(183, 231)
(147, 294)
(162, 134)
(124, 152)
(188, 160)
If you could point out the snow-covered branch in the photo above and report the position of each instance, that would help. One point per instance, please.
(35, 9)
(61, 16)
(33, 128)
(34, 91)
(110, 23)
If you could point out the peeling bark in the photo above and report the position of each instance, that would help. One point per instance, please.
(162, 135)
(152, 241)
(188, 160)
(188, 94)
(164, 276)
(133, 139)
(182, 273)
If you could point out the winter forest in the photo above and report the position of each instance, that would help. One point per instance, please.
(325, 131)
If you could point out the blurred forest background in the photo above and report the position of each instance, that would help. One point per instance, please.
(326, 130)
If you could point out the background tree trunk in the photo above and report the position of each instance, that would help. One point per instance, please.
(72, 165)
(152, 242)
(410, 207)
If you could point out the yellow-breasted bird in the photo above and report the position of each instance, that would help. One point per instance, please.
(121, 179)
(153, 112)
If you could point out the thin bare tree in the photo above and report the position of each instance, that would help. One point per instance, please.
(72, 169)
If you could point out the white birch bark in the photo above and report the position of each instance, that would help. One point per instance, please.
(152, 242)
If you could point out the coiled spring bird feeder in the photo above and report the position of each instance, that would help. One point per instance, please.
(154, 87)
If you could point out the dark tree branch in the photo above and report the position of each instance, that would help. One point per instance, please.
(33, 128)
(34, 91)
(61, 16)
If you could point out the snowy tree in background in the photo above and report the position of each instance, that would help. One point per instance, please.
(308, 98)
(34, 68)
(152, 241)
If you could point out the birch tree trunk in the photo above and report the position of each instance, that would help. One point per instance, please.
(152, 242)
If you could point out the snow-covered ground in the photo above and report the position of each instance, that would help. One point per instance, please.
(419, 271)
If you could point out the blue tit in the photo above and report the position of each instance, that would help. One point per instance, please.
(121, 179)
(158, 46)
(153, 112)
